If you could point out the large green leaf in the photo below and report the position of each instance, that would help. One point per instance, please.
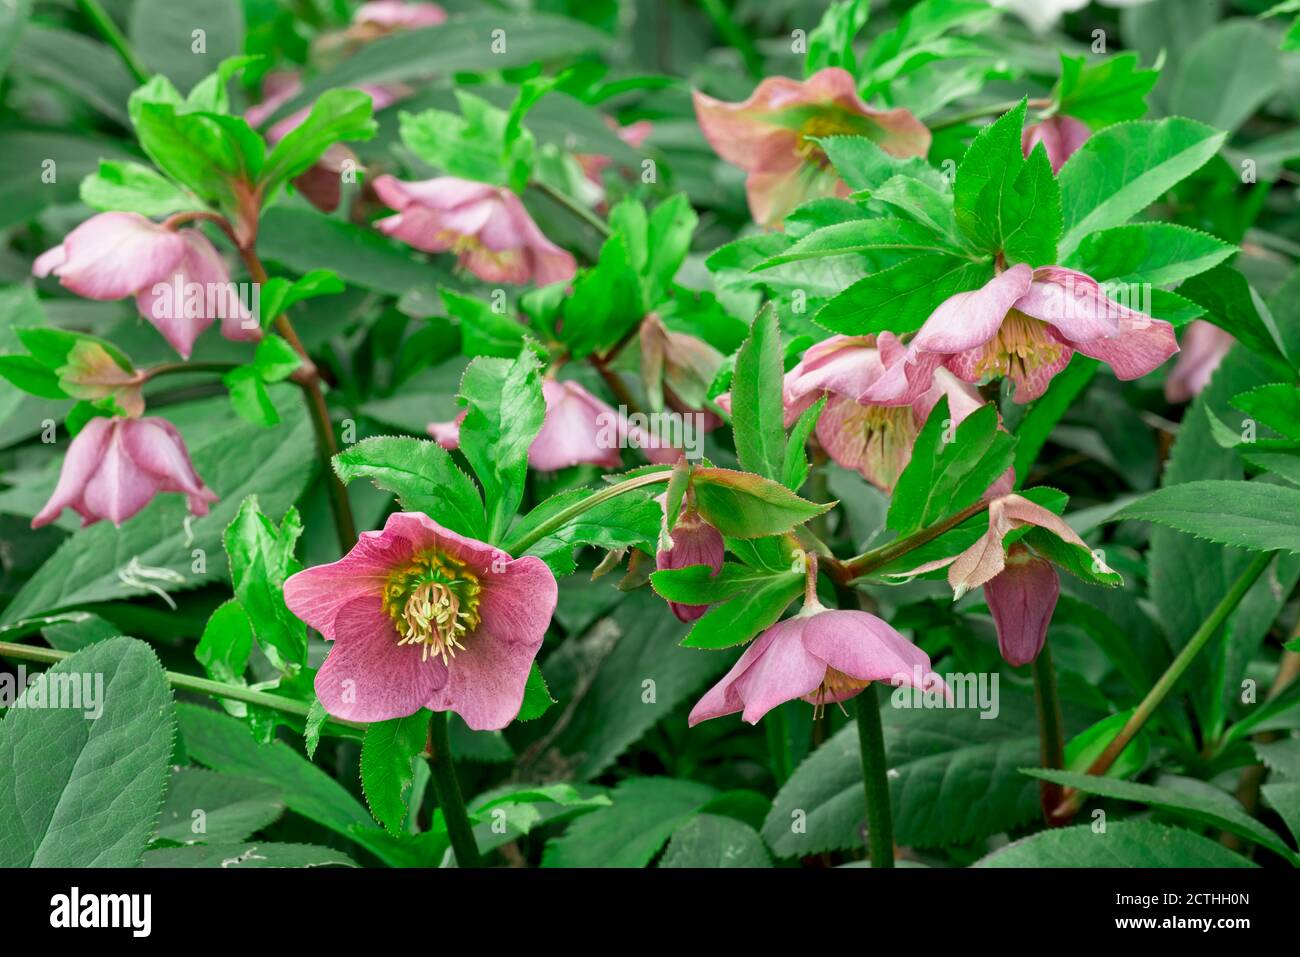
(1227, 74)
(1121, 170)
(1254, 515)
(756, 402)
(630, 832)
(82, 771)
(163, 33)
(899, 299)
(387, 756)
(204, 806)
(710, 840)
(939, 759)
(1121, 844)
(1159, 253)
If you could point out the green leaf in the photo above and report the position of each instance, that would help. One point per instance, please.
(483, 330)
(700, 585)
(741, 505)
(337, 116)
(537, 697)
(710, 840)
(1276, 406)
(939, 758)
(204, 806)
(630, 832)
(162, 33)
(279, 294)
(275, 360)
(1087, 746)
(261, 558)
(86, 793)
(1205, 805)
(1162, 254)
(1122, 170)
(739, 619)
(605, 304)
(87, 69)
(505, 414)
(863, 165)
(1122, 844)
(796, 457)
(861, 236)
(631, 519)
(225, 744)
(32, 376)
(163, 549)
(943, 477)
(1227, 75)
(668, 241)
(226, 643)
(136, 188)
(1252, 515)
(1104, 92)
(249, 398)
(899, 299)
(388, 754)
(1043, 414)
(1231, 304)
(421, 474)
(756, 402)
(246, 856)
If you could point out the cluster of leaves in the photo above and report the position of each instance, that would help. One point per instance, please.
(1181, 189)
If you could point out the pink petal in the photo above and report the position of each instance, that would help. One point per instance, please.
(1022, 599)
(114, 255)
(1073, 303)
(1142, 345)
(119, 488)
(864, 647)
(157, 447)
(784, 670)
(367, 675)
(82, 459)
(578, 429)
(1060, 135)
(968, 320)
(1203, 348)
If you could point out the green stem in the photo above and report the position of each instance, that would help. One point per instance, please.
(181, 368)
(777, 729)
(564, 516)
(879, 557)
(447, 787)
(176, 679)
(1051, 736)
(577, 209)
(1160, 690)
(105, 25)
(871, 738)
(979, 112)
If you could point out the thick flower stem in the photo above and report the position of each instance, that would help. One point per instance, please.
(1051, 734)
(308, 378)
(1160, 690)
(108, 29)
(871, 739)
(447, 787)
(218, 689)
(879, 557)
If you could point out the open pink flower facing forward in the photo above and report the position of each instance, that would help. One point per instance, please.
(114, 468)
(772, 137)
(1020, 587)
(1060, 136)
(821, 655)
(180, 282)
(1024, 324)
(422, 617)
(486, 227)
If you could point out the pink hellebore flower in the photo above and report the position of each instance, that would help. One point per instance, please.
(386, 16)
(1020, 587)
(486, 226)
(179, 280)
(694, 542)
(820, 655)
(114, 467)
(1025, 324)
(1204, 346)
(1060, 136)
(422, 617)
(771, 137)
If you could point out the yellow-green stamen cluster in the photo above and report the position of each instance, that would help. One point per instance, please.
(1021, 347)
(434, 603)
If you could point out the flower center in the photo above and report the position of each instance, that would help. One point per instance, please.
(1021, 347)
(823, 123)
(434, 603)
(835, 687)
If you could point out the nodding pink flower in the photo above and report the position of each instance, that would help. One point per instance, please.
(579, 429)
(1020, 587)
(1060, 136)
(1203, 348)
(873, 439)
(694, 542)
(772, 137)
(114, 468)
(422, 617)
(179, 280)
(486, 226)
(1025, 324)
(823, 656)
(386, 16)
